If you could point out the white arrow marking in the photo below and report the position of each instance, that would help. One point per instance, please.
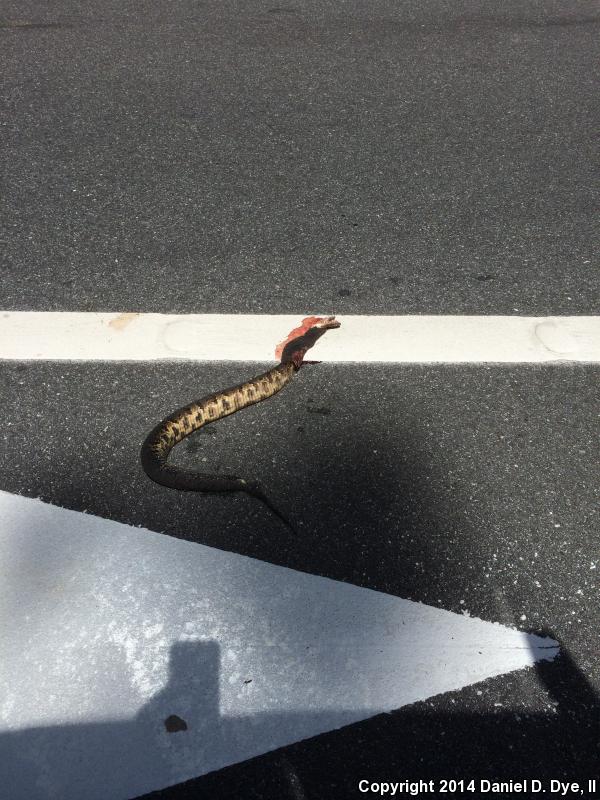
(86, 336)
(110, 631)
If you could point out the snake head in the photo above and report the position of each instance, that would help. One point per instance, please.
(302, 338)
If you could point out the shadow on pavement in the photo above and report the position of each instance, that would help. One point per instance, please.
(116, 759)
(179, 731)
(428, 745)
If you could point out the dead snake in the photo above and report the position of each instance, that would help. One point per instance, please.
(181, 423)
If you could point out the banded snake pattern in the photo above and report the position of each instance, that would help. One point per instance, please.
(181, 423)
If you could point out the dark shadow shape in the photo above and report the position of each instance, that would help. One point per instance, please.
(417, 742)
(413, 743)
(178, 721)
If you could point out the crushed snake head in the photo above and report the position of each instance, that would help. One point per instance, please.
(300, 339)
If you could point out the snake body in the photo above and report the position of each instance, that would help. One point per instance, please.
(181, 423)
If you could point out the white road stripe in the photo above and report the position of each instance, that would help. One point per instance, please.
(109, 631)
(85, 336)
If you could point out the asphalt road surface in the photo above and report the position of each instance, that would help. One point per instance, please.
(380, 158)
(253, 157)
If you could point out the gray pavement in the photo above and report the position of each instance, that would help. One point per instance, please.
(247, 157)
(471, 489)
(384, 158)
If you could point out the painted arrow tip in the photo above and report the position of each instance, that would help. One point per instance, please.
(151, 660)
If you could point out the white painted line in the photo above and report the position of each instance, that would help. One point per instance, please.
(110, 630)
(75, 336)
